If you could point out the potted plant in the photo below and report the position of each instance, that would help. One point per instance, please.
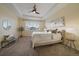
(21, 29)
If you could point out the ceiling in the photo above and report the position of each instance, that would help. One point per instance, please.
(45, 9)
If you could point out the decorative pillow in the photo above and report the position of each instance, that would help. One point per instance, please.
(10, 37)
(59, 32)
(54, 31)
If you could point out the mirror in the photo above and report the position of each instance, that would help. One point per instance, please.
(6, 24)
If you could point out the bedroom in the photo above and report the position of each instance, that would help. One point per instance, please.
(63, 16)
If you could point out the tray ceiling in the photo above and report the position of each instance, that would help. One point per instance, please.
(25, 9)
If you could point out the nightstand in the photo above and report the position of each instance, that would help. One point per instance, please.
(71, 42)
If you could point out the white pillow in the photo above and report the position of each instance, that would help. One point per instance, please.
(9, 38)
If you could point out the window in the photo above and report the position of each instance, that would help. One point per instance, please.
(32, 25)
(6, 24)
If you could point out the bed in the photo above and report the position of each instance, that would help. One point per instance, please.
(45, 38)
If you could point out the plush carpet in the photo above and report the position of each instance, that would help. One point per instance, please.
(23, 47)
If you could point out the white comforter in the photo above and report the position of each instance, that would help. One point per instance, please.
(44, 38)
(41, 36)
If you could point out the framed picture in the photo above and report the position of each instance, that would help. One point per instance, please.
(59, 22)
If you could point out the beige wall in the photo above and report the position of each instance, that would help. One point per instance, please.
(8, 13)
(71, 14)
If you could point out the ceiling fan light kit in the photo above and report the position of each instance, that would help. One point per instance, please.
(34, 12)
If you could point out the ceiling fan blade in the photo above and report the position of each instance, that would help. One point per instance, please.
(34, 6)
(33, 10)
(37, 13)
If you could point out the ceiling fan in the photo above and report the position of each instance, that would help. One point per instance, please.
(35, 9)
